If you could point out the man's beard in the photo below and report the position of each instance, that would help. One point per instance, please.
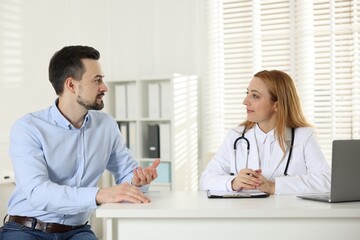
(91, 105)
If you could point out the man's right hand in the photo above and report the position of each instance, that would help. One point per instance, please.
(123, 192)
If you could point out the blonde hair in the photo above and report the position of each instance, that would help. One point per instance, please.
(282, 90)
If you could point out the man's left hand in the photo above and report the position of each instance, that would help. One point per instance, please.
(144, 176)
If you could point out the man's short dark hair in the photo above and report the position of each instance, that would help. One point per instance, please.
(67, 63)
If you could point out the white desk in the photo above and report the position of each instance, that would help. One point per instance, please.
(191, 215)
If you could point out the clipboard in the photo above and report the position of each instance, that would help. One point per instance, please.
(244, 194)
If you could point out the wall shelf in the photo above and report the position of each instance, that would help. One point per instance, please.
(171, 105)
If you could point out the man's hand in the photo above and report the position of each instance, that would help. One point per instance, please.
(124, 192)
(144, 176)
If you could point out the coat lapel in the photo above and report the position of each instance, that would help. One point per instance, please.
(278, 160)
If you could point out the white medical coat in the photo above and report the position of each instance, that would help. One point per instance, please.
(308, 170)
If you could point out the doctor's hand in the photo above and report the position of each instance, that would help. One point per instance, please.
(144, 176)
(246, 179)
(123, 192)
(266, 185)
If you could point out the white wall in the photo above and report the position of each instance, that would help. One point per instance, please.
(135, 38)
(152, 38)
(31, 32)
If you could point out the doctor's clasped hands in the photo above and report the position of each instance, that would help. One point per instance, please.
(248, 179)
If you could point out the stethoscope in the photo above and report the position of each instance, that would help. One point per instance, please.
(242, 137)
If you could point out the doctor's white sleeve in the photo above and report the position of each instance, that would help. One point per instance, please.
(217, 176)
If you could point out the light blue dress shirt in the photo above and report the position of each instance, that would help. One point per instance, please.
(57, 166)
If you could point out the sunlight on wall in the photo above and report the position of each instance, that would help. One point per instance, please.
(186, 128)
(11, 65)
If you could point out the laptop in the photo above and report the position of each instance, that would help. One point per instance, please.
(345, 174)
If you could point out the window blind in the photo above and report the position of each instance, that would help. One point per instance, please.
(316, 42)
(336, 72)
(212, 84)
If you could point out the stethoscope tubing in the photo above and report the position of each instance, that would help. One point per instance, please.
(242, 137)
(247, 148)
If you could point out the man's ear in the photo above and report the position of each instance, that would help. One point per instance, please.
(70, 84)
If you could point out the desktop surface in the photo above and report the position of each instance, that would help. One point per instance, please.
(191, 215)
(174, 204)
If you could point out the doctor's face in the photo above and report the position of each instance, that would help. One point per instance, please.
(260, 107)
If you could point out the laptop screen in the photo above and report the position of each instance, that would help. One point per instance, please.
(345, 177)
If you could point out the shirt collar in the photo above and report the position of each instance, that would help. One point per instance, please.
(60, 120)
(262, 136)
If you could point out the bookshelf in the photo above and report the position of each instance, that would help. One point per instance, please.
(158, 118)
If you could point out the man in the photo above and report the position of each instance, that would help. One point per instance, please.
(60, 153)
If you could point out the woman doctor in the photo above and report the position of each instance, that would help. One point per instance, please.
(259, 159)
